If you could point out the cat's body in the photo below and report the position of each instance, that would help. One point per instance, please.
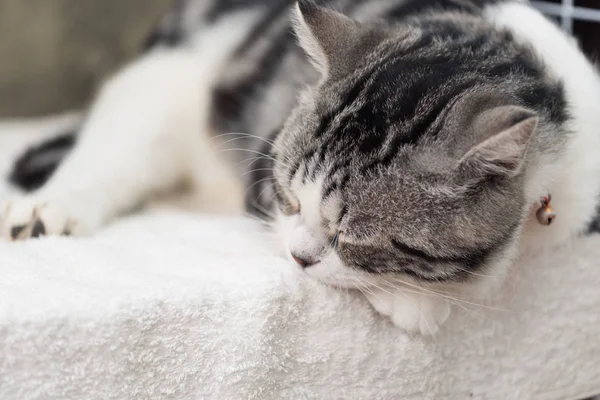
(409, 166)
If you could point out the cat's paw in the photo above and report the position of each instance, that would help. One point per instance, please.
(30, 218)
(414, 312)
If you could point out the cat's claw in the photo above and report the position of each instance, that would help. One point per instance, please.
(413, 312)
(31, 218)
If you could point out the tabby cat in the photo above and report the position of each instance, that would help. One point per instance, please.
(400, 146)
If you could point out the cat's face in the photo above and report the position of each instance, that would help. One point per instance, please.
(379, 172)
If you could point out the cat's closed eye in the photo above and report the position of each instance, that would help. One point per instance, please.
(288, 203)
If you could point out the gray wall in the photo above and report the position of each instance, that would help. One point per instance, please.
(54, 53)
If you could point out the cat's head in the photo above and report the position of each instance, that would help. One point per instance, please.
(402, 160)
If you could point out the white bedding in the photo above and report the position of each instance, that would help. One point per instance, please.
(169, 305)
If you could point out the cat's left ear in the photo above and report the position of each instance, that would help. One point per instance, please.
(507, 131)
(332, 41)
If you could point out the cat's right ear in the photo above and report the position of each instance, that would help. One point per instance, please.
(331, 40)
(324, 35)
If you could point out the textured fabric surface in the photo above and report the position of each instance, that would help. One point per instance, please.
(168, 305)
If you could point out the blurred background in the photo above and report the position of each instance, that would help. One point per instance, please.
(579, 17)
(54, 53)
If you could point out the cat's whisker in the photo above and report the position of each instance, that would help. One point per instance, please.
(448, 299)
(417, 289)
(470, 311)
(257, 170)
(242, 136)
(406, 297)
(258, 182)
(421, 289)
(220, 146)
(265, 189)
(250, 151)
(252, 159)
(271, 157)
(263, 210)
(226, 142)
(256, 159)
(365, 288)
(364, 285)
(406, 287)
(500, 276)
(434, 293)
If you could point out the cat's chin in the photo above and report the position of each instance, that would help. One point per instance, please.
(332, 272)
(415, 313)
(341, 284)
(418, 313)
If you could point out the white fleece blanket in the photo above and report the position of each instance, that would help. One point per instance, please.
(169, 305)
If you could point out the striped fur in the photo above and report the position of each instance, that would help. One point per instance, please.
(373, 118)
(396, 137)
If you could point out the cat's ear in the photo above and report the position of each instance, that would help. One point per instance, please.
(328, 37)
(507, 131)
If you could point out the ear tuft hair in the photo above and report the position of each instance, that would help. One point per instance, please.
(306, 6)
(327, 37)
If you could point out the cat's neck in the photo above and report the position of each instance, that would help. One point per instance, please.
(572, 176)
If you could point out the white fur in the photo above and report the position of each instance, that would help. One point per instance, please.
(146, 134)
(411, 307)
(303, 235)
(309, 196)
(413, 310)
(573, 181)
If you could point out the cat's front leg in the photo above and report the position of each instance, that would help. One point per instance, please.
(416, 312)
(140, 138)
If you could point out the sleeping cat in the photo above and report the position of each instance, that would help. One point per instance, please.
(398, 145)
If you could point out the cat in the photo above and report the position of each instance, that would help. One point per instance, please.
(400, 147)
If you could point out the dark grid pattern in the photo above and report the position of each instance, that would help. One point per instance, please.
(579, 17)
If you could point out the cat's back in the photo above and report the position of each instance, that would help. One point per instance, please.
(576, 173)
(260, 84)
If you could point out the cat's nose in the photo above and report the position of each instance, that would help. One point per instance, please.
(304, 262)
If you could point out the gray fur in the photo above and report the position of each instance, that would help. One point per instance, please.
(422, 119)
